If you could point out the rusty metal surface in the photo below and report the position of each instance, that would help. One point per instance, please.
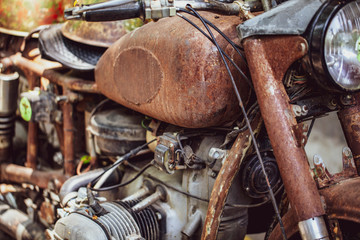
(71, 83)
(101, 34)
(350, 121)
(223, 182)
(341, 200)
(267, 69)
(32, 145)
(20, 174)
(39, 68)
(69, 139)
(32, 136)
(324, 178)
(176, 77)
(60, 133)
(47, 212)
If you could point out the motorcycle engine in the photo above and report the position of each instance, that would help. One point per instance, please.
(165, 202)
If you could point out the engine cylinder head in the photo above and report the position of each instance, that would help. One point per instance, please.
(118, 223)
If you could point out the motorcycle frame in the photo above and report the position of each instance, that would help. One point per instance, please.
(267, 68)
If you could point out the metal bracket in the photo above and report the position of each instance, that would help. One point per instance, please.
(322, 176)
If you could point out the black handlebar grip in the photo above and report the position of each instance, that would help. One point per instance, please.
(127, 11)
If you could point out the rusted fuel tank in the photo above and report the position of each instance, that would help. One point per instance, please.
(168, 70)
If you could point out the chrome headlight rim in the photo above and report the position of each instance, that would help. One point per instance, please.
(316, 38)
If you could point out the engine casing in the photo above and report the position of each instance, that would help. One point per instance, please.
(168, 70)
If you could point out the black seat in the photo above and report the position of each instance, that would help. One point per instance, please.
(55, 46)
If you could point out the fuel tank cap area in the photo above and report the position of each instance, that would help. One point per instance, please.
(169, 71)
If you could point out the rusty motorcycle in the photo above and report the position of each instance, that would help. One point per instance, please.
(190, 126)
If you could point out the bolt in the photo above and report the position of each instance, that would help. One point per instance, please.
(159, 194)
(302, 47)
(216, 155)
(213, 174)
(317, 159)
(347, 152)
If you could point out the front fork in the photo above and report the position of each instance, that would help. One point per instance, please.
(268, 60)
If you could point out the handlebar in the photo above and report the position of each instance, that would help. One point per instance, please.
(128, 11)
(148, 9)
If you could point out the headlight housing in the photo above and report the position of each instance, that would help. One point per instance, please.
(334, 39)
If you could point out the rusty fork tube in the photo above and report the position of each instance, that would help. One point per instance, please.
(350, 122)
(268, 59)
(69, 137)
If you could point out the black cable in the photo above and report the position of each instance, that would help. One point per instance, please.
(310, 127)
(234, 45)
(193, 196)
(271, 193)
(125, 183)
(119, 161)
(227, 56)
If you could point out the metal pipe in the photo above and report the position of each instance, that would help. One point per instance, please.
(32, 138)
(60, 134)
(223, 183)
(267, 69)
(159, 194)
(350, 121)
(20, 174)
(18, 225)
(75, 182)
(192, 225)
(69, 138)
(71, 83)
(312, 229)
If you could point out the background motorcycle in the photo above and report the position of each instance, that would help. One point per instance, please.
(169, 71)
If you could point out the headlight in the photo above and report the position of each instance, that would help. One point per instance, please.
(335, 45)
